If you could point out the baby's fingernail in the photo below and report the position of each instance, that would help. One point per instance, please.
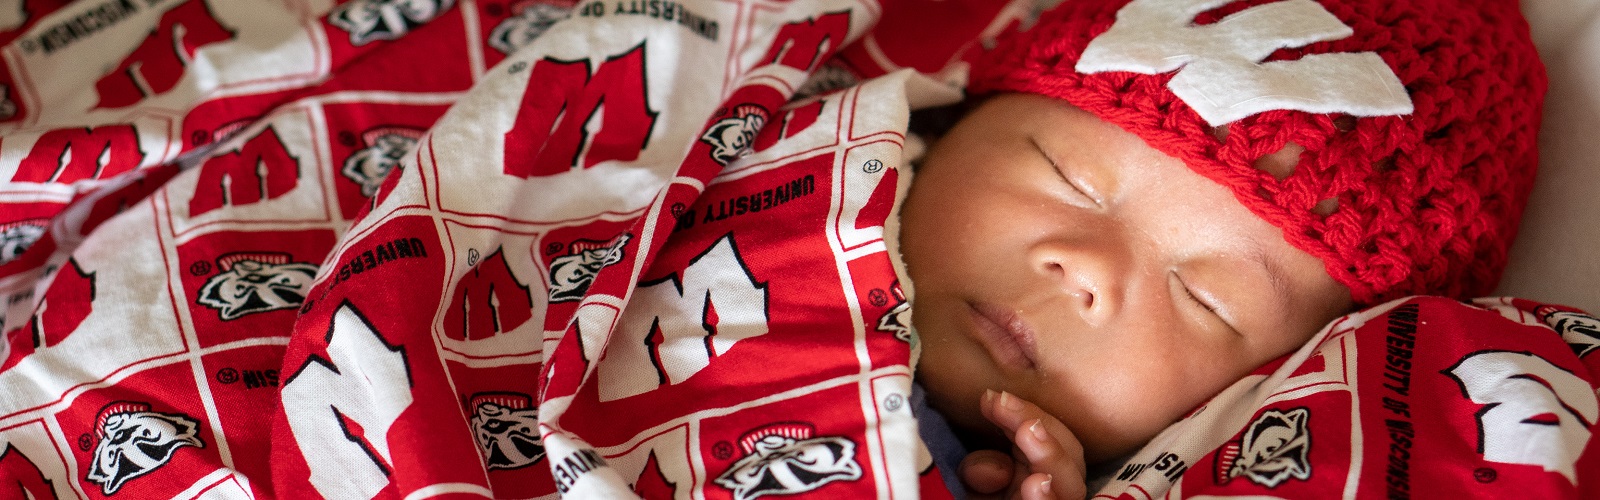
(1038, 432)
(988, 396)
(1044, 487)
(1010, 402)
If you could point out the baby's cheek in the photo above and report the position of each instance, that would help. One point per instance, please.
(954, 382)
(1125, 407)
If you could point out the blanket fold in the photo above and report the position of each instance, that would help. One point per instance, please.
(413, 248)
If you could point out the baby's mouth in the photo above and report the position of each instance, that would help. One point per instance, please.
(1004, 334)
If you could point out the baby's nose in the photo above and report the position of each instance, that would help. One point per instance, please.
(1089, 273)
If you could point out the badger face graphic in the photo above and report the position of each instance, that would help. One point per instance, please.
(732, 137)
(371, 165)
(135, 441)
(571, 274)
(1274, 448)
(248, 286)
(369, 20)
(531, 20)
(1581, 332)
(898, 319)
(17, 238)
(508, 432)
(783, 460)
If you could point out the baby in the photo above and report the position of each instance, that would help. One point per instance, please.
(1102, 245)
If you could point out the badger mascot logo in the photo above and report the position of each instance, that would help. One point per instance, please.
(133, 441)
(370, 20)
(506, 425)
(251, 283)
(783, 459)
(732, 137)
(898, 319)
(1582, 332)
(571, 274)
(16, 237)
(530, 20)
(1274, 448)
(385, 147)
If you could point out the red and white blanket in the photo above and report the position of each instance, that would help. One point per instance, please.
(410, 248)
(1423, 397)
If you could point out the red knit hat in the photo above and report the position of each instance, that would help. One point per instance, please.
(1418, 118)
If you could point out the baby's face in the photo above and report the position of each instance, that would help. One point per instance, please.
(1060, 258)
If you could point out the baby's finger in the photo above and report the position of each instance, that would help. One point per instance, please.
(1040, 486)
(986, 471)
(1009, 411)
(1014, 414)
(1054, 456)
(1048, 446)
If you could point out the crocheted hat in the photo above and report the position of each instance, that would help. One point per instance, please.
(1417, 119)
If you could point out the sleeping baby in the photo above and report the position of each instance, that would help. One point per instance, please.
(629, 262)
(1100, 246)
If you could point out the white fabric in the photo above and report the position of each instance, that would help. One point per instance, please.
(1221, 74)
(1556, 257)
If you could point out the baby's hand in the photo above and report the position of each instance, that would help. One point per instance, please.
(1046, 460)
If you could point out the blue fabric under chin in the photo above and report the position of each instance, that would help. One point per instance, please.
(941, 440)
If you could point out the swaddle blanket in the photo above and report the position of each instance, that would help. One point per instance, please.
(399, 248)
(1422, 397)
(411, 248)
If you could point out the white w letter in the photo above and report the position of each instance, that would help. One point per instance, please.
(681, 324)
(1222, 76)
(363, 380)
(1535, 413)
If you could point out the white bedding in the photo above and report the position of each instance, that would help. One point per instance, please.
(1556, 258)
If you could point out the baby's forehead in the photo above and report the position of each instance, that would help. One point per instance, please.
(1422, 197)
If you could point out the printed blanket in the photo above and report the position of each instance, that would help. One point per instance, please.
(511, 248)
(396, 248)
(1422, 397)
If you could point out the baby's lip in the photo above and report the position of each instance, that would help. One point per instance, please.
(1009, 339)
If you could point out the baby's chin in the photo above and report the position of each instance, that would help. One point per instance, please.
(965, 417)
(956, 392)
(957, 395)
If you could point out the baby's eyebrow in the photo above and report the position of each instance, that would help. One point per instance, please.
(1274, 271)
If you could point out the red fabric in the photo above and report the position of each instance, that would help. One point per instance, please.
(1427, 203)
(262, 278)
(1423, 397)
(395, 249)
